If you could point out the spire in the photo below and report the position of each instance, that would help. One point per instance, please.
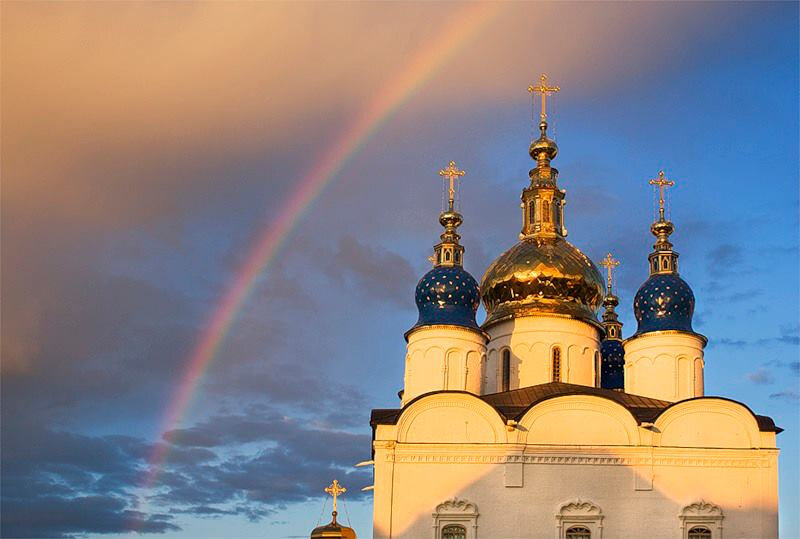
(663, 260)
(542, 200)
(611, 323)
(448, 252)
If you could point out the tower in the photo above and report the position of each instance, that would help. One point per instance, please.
(542, 295)
(664, 358)
(611, 349)
(445, 348)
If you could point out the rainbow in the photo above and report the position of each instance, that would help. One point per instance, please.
(422, 66)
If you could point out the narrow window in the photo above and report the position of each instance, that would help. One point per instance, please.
(556, 364)
(546, 211)
(447, 256)
(531, 215)
(699, 532)
(457, 256)
(597, 369)
(579, 532)
(454, 531)
(506, 379)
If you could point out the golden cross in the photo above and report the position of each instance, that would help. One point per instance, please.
(609, 263)
(545, 90)
(662, 184)
(335, 490)
(452, 173)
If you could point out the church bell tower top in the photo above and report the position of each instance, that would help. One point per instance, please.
(449, 252)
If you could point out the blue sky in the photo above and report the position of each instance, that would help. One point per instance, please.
(146, 146)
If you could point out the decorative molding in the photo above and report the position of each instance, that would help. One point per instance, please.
(701, 513)
(760, 461)
(456, 505)
(701, 508)
(579, 506)
(456, 511)
(579, 512)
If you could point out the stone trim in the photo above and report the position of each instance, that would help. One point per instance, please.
(693, 460)
(704, 514)
(579, 512)
(456, 511)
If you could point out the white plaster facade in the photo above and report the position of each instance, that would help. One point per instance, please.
(443, 357)
(665, 365)
(574, 460)
(531, 341)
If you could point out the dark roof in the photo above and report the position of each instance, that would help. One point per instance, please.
(513, 404)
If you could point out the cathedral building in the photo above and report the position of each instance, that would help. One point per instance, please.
(544, 422)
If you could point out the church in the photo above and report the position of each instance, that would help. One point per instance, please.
(544, 421)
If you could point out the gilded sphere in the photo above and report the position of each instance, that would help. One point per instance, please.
(542, 277)
(543, 145)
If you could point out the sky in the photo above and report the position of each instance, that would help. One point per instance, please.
(148, 148)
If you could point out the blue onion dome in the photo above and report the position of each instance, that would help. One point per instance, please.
(664, 302)
(612, 371)
(447, 296)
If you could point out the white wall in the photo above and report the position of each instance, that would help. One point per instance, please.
(580, 451)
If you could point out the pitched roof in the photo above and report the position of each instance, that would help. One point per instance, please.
(513, 404)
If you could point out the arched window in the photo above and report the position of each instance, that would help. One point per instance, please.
(597, 369)
(447, 255)
(578, 532)
(531, 216)
(546, 211)
(699, 532)
(556, 364)
(506, 374)
(454, 531)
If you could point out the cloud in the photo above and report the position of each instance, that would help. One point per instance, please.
(65, 484)
(372, 271)
(761, 376)
(787, 395)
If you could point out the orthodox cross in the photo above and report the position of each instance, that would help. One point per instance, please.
(545, 90)
(662, 183)
(451, 172)
(335, 490)
(609, 263)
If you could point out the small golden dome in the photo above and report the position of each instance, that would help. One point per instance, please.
(333, 530)
(544, 276)
(543, 145)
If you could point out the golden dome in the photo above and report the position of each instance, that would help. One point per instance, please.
(333, 530)
(542, 276)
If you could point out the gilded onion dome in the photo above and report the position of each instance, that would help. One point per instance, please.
(543, 273)
(448, 294)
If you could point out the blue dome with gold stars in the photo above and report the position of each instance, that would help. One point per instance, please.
(447, 296)
(664, 302)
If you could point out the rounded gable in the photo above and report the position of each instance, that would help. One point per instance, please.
(579, 420)
(450, 417)
(707, 422)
